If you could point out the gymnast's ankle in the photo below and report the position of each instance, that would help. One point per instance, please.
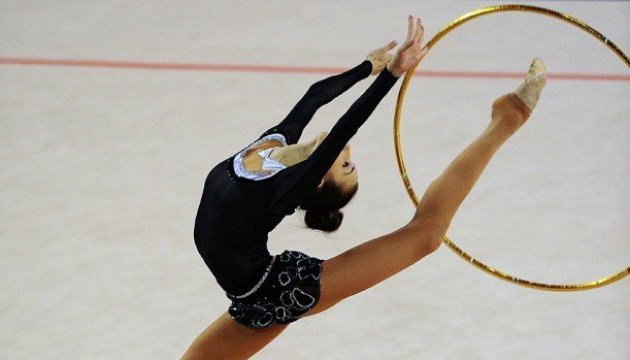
(513, 109)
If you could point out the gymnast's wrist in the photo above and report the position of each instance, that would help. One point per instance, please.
(369, 67)
(394, 71)
(391, 74)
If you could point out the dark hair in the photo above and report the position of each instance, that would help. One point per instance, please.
(322, 206)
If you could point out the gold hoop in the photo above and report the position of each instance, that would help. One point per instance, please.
(403, 171)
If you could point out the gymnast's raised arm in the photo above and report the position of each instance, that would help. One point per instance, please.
(324, 91)
(321, 160)
(311, 172)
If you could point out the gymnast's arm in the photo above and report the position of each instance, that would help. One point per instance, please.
(317, 95)
(324, 91)
(312, 170)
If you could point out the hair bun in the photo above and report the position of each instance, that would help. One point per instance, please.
(324, 221)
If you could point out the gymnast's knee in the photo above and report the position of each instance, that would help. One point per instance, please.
(432, 242)
(435, 243)
(427, 236)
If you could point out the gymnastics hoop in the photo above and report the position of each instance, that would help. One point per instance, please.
(403, 171)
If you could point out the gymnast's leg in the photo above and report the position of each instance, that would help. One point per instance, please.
(374, 261)
(226, 339)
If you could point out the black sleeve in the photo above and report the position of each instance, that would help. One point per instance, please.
(317, 95)
(307, 175)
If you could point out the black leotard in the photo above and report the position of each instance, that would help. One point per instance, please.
(236, 214)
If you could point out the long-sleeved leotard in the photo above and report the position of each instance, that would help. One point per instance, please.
(236, 214)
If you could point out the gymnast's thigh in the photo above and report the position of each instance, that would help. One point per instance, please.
(369, 263)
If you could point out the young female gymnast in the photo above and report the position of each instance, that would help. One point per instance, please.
(246, 196)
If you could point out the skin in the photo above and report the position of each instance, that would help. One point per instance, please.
(343, 172)
(370, 263)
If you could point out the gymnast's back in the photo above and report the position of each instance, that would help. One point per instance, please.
(230, 229)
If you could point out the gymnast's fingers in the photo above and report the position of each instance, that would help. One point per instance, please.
(409, 40)
(392, 44)
(410, 29)
(419, 31)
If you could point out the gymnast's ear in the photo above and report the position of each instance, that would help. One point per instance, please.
(328, 177)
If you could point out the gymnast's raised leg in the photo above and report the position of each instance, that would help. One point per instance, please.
(374, 261)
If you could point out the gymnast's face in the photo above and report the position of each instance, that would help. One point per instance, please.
(344, 172)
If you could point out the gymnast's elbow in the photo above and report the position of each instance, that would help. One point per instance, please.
(319, 92)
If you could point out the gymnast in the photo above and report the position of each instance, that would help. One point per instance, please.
(246, 196)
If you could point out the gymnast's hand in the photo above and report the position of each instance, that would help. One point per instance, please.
(380, 58)
(411, 52)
